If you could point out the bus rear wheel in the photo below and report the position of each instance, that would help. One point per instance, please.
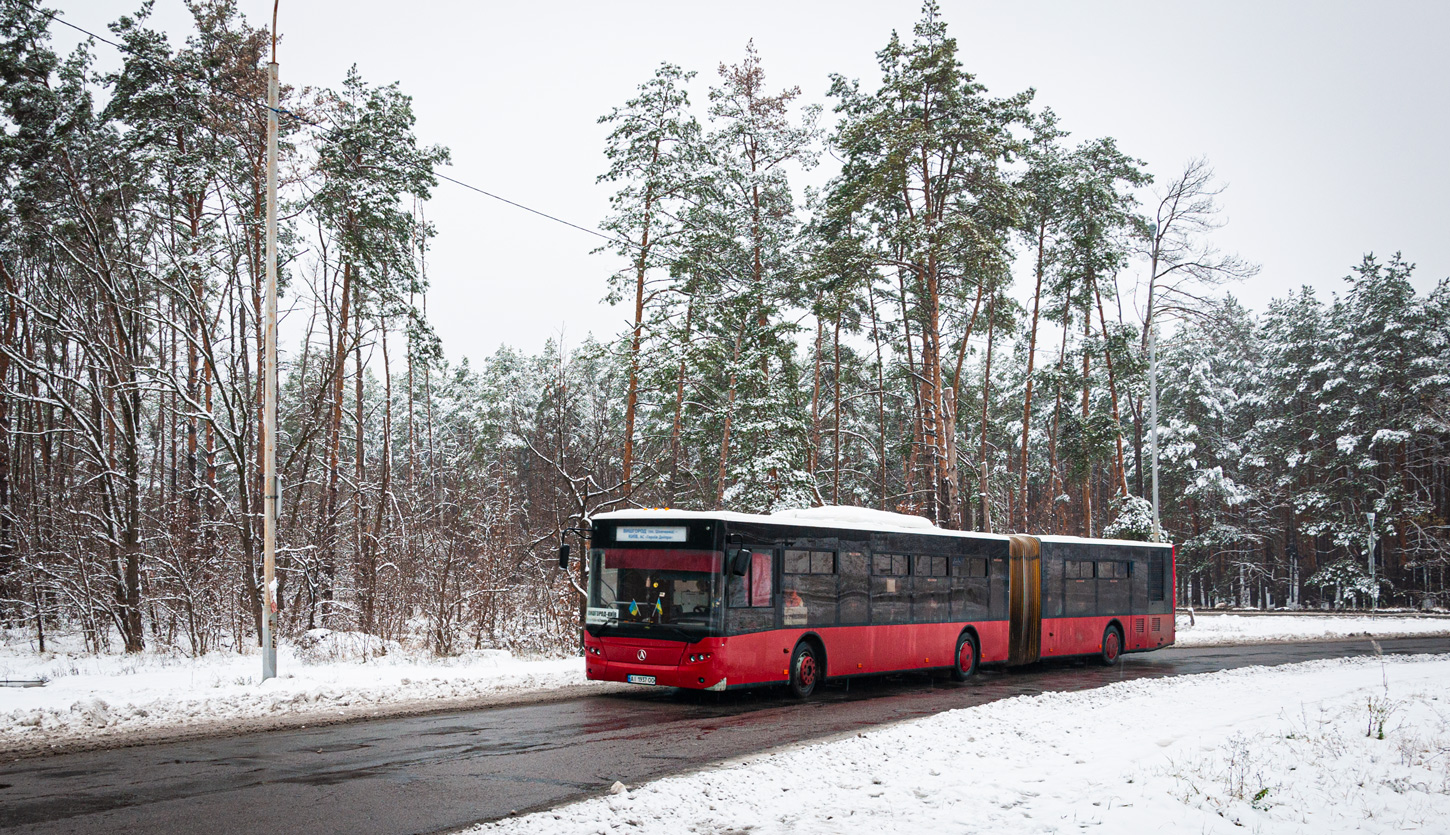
(1112, 646)
(805, 672)
(966, 663)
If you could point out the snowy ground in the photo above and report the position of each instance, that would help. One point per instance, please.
(100, 700)
(93, 700)
(1215, 629)
(1269, 750)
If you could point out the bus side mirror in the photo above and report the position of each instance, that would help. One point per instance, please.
(740, 563)
(564, 556)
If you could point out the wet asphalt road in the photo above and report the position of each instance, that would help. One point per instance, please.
(444, 771)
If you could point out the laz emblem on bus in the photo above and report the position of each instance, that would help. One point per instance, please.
(641, 655)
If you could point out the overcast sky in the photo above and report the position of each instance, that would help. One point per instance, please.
(1328, 121)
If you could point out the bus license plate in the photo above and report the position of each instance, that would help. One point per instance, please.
(641, 679)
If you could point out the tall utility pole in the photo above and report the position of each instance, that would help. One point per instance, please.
(271, 487)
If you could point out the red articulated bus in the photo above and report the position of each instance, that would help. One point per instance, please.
(720, 600)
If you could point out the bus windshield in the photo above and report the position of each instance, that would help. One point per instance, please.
(654, 586)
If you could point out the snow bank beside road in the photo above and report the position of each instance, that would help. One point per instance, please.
(92, 700)
(98, 700)
(1271, 750)
(1214, 629)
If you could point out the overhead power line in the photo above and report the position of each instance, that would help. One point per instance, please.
(516, 205)
(329, 132)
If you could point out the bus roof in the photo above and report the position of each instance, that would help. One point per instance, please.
(840, 516)
(1068, 540)
(854, 518)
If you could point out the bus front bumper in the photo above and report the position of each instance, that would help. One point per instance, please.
(693, 679)
(706, 673)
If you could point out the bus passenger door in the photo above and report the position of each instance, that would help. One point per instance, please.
(1024, 600)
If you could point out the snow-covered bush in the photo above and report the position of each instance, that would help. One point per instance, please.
(1134, 520)
(319, 645)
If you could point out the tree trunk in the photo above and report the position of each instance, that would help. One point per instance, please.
(986, 402)
(632, 396)
(729, 413)
(880, 395)
(328, 522)
(919, 415)
(1121, 481)
(1055, 477)
(12, 322)
(679, 406)
(836, 434)
(1031, 357)
(374, 541)
(815, 445)
(359, 454)
(1087, 497)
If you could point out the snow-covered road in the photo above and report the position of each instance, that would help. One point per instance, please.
(1355, 745)
(97, 700)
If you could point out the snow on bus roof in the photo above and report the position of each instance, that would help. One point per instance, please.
(838, 516)
(1068, 540)
(842, 516)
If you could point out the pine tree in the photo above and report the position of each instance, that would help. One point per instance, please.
(1097, 219)
(923, 162)
(655, 155)
(747, 275)
(369, 165)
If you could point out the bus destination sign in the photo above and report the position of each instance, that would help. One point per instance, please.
(650, 534)
(601, 616)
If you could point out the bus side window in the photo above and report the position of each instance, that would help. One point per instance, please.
(756, 588)
(1079, 595)
(854, 573)
(739, 588)
(931, 592)
(808, 587)
(760, 579)
(890, 588)
(1113, 569)
(881, 564)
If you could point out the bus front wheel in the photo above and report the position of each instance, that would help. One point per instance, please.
(1112, 646)
(966, 658)
(805, 672)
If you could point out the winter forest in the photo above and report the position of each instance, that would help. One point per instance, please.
(959, 325)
